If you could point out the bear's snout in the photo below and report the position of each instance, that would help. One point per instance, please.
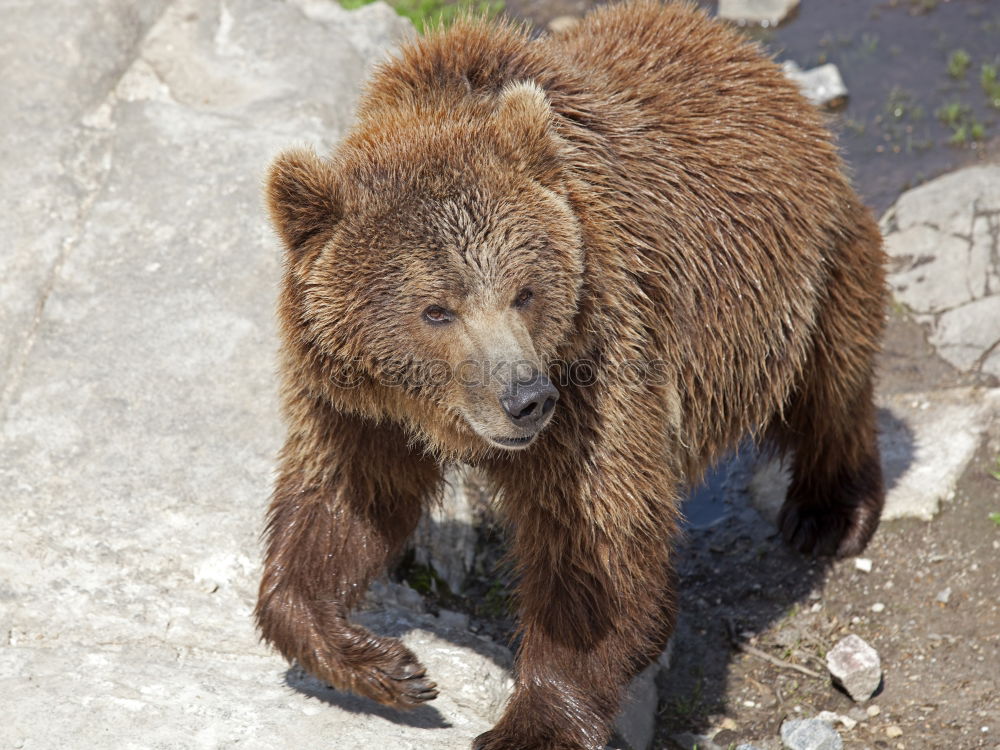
(529, 401)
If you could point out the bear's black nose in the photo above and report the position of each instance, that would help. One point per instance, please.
(529, 400)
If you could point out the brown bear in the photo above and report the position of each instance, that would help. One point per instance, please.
(588, 263)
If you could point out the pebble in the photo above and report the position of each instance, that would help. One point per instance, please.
(562, 23)
(873, 711)
(863, 564)
(943, 596)
(893, 732)
(763, 12)
(878, 607)
(823, 86)
(859, 714)
(855, 666)
(831, 718)
(810, 734)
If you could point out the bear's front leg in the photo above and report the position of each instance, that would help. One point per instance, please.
(347, 497)
(596, 595)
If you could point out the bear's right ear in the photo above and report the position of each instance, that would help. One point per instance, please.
(302, 198)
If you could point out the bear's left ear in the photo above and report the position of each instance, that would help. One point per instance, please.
(524, 131)
(302, 197)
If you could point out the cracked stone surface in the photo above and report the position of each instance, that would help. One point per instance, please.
(943, 239)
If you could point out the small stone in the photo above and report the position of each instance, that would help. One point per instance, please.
(893, 732)
(943, 596)
(823, 86)
(863, 564)
(729, 724)
(562, 23)
(856, 667)
(873, 711)
(810, 734)
(878, 607)
(747, 746)
(859, 714)
(762, 12)
(831, 718)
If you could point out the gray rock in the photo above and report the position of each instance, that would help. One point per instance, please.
(823, 86)
(855, 666)
(762, 12)
(810, 734)
(966, 333)
(747, 746)
(636, 723)
(447, 534)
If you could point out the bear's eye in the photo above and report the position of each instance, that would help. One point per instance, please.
(523, 297)
(437, 315)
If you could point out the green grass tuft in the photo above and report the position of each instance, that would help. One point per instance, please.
(962, 122)
(428, 14)
(989, 79)
(958, 63)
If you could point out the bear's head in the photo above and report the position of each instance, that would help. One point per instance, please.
(437, 253)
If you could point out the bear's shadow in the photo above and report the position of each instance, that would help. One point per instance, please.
(736, 579)
(423, 717)
(739, 580)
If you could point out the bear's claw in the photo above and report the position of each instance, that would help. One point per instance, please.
(839, 531)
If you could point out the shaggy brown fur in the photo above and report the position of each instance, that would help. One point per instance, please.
(644, 188)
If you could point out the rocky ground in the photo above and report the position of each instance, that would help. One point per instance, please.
(138, 430)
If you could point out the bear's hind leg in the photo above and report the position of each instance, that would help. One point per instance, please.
(836, 494)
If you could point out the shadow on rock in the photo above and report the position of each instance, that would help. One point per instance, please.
(898, 450)
(423, 717)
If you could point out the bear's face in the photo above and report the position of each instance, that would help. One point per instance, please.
(442, 260)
